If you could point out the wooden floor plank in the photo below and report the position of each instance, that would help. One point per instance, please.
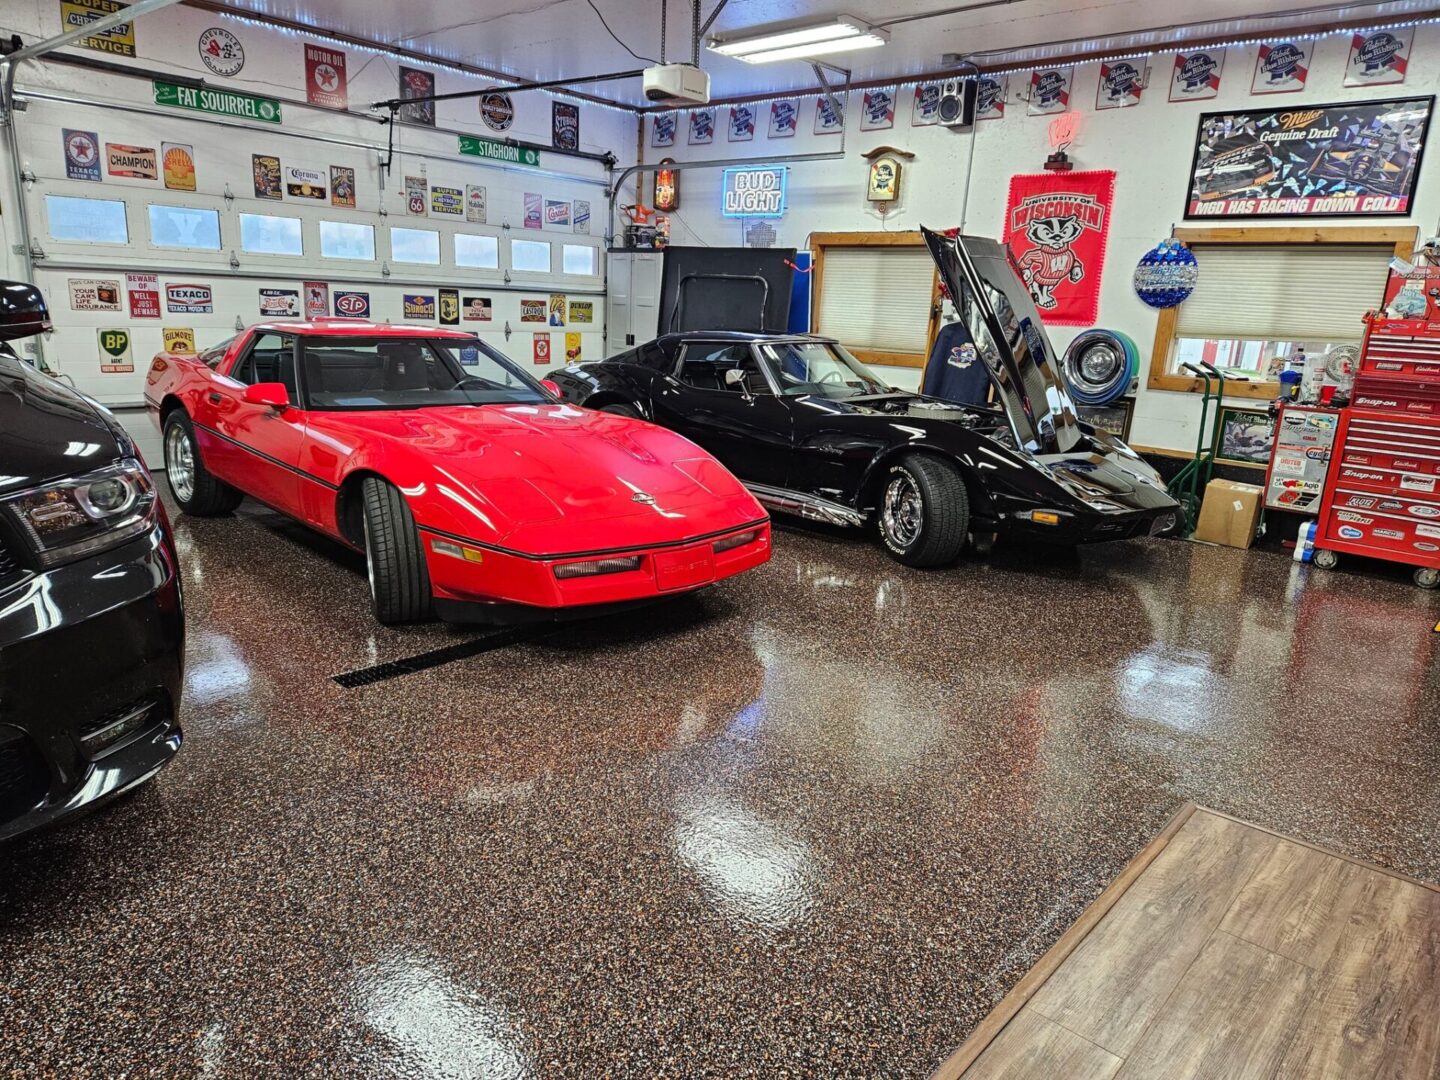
(1034, 1048)
(1375, 1012)
(1116, 981)
(1298, 902)
(1232, 1017)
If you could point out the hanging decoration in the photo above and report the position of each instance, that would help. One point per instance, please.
(1379, 58)
(878, 109)
(1050, 91)
(1197, 75)
(1121, 83)
(1166, 275)
(886, 166)
(667, 187)
(1056, 226)
(1281, 67)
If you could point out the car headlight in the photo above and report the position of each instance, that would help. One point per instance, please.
(69, 519)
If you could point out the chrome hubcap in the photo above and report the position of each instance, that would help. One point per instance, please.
(902, 515)
(180, 463)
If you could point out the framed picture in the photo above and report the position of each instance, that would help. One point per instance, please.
(1113, 418)
(1244, 437)
(1342, 159)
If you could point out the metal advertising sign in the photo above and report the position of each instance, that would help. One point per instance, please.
(144, 290)
(94, 294)
(1333, 160)
(217, 102)
(279, 302)
(82, 154)
(221, 52)
(179, 339)
(317, 299)
(266, 169)
(415, 83)
(447, 200)
(1197, 75)
(449, 307)
(133, 162)
(325, 81)
(115, 355)
(1379, 58)
(418, 305)
(1050, 91)
(475, 200)
(499, 151)
(565, 125)
(117, 41)
(352, 305)
(498, 111)
(878, 110)
(189, 299)
(925, 109)
(1281, 67)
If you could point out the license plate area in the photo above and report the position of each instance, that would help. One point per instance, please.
(684, 569)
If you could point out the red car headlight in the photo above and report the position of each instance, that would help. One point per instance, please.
(594, 567)
(738, 540)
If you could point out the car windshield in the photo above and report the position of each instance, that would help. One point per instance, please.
(819, 368)
(384, 372)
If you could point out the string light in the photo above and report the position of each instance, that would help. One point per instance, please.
(410, 58)
(1052, 65)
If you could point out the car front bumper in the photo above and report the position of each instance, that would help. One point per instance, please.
(502, 581)
(91, 659)
(1092, 527)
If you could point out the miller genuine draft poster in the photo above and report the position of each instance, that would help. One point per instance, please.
(1350, 158)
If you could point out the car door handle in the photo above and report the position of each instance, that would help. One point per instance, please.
(216, 397)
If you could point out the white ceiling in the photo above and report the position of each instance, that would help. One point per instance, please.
(546, 39)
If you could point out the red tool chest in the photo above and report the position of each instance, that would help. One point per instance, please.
(1382, 491)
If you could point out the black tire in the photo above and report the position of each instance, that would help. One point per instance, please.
(934, 532)
(196, 491)
(395, 561)
(619, 408)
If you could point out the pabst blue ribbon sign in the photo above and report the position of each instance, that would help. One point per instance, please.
(754, 192)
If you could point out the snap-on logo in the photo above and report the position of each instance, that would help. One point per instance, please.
(1361, 474)
(1377, 402)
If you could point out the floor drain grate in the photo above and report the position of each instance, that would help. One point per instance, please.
(393, 669)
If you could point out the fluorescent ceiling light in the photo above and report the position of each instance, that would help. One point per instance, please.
(841, 34)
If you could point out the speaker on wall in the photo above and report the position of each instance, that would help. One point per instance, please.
(957, 102)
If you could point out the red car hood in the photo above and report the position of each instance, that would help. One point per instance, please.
(550, 479)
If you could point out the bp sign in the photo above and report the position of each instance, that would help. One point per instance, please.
(753, 192)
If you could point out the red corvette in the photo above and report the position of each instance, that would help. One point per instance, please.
(473, 493)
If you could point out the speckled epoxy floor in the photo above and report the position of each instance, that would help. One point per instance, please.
(812, 823)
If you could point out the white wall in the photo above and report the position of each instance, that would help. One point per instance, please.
(1149, 146)
(120, 109)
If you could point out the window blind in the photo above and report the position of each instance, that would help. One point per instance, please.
(877, 298)
(1285, 292)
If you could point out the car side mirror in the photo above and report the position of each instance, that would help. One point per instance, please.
(273, 394)
(22, 311)
(552, 387)
(735, 377)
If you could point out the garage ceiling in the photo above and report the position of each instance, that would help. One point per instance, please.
(543, 38)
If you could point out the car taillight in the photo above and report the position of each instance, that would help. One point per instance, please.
(594, 567)
(738, 540)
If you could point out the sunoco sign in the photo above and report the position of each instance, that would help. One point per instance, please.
(750, 192)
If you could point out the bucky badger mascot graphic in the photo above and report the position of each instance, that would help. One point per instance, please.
(1052, 260)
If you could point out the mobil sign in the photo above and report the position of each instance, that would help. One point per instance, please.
(754, 191)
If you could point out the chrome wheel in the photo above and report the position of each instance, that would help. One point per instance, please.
(180, 462)
(902, 515)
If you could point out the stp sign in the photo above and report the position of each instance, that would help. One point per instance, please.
(542, 348)
(355, 305)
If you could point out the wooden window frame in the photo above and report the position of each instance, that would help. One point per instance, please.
(1401, 238)
(820, 241)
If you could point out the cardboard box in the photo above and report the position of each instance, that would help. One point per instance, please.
(1230, 513)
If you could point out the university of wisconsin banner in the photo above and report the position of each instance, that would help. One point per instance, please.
(1055, 227)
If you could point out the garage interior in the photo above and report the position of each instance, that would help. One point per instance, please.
(1160, 806)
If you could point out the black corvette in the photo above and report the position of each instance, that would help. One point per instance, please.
(811, 431)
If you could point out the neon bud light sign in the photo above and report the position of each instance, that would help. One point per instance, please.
(754, 192)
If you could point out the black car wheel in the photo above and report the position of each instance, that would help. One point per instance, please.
(190, 482)
(621, 409)
(924, 514)
(394, 560)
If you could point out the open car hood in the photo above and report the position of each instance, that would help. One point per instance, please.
(1009, 338)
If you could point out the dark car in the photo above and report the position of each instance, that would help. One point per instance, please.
(811, 431)
(91, 627)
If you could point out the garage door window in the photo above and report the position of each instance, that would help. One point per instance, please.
(579, 259)
(477, 252)
(347, 240)
(90, 221)
(184, 227)
(415, 246)
(263, 234)
(530, 255)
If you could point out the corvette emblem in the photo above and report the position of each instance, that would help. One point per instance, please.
(643, 497)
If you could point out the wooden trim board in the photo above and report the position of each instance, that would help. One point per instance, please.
(1007, 1023)
(988, 1029)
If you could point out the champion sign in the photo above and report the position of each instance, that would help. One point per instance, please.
(749, 192)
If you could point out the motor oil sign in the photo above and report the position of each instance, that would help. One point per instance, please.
(751, 192)
(189, 299)
(115, 356)
(419, 306)
(354, 305)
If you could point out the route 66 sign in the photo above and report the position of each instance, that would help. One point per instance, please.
(115, 356)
